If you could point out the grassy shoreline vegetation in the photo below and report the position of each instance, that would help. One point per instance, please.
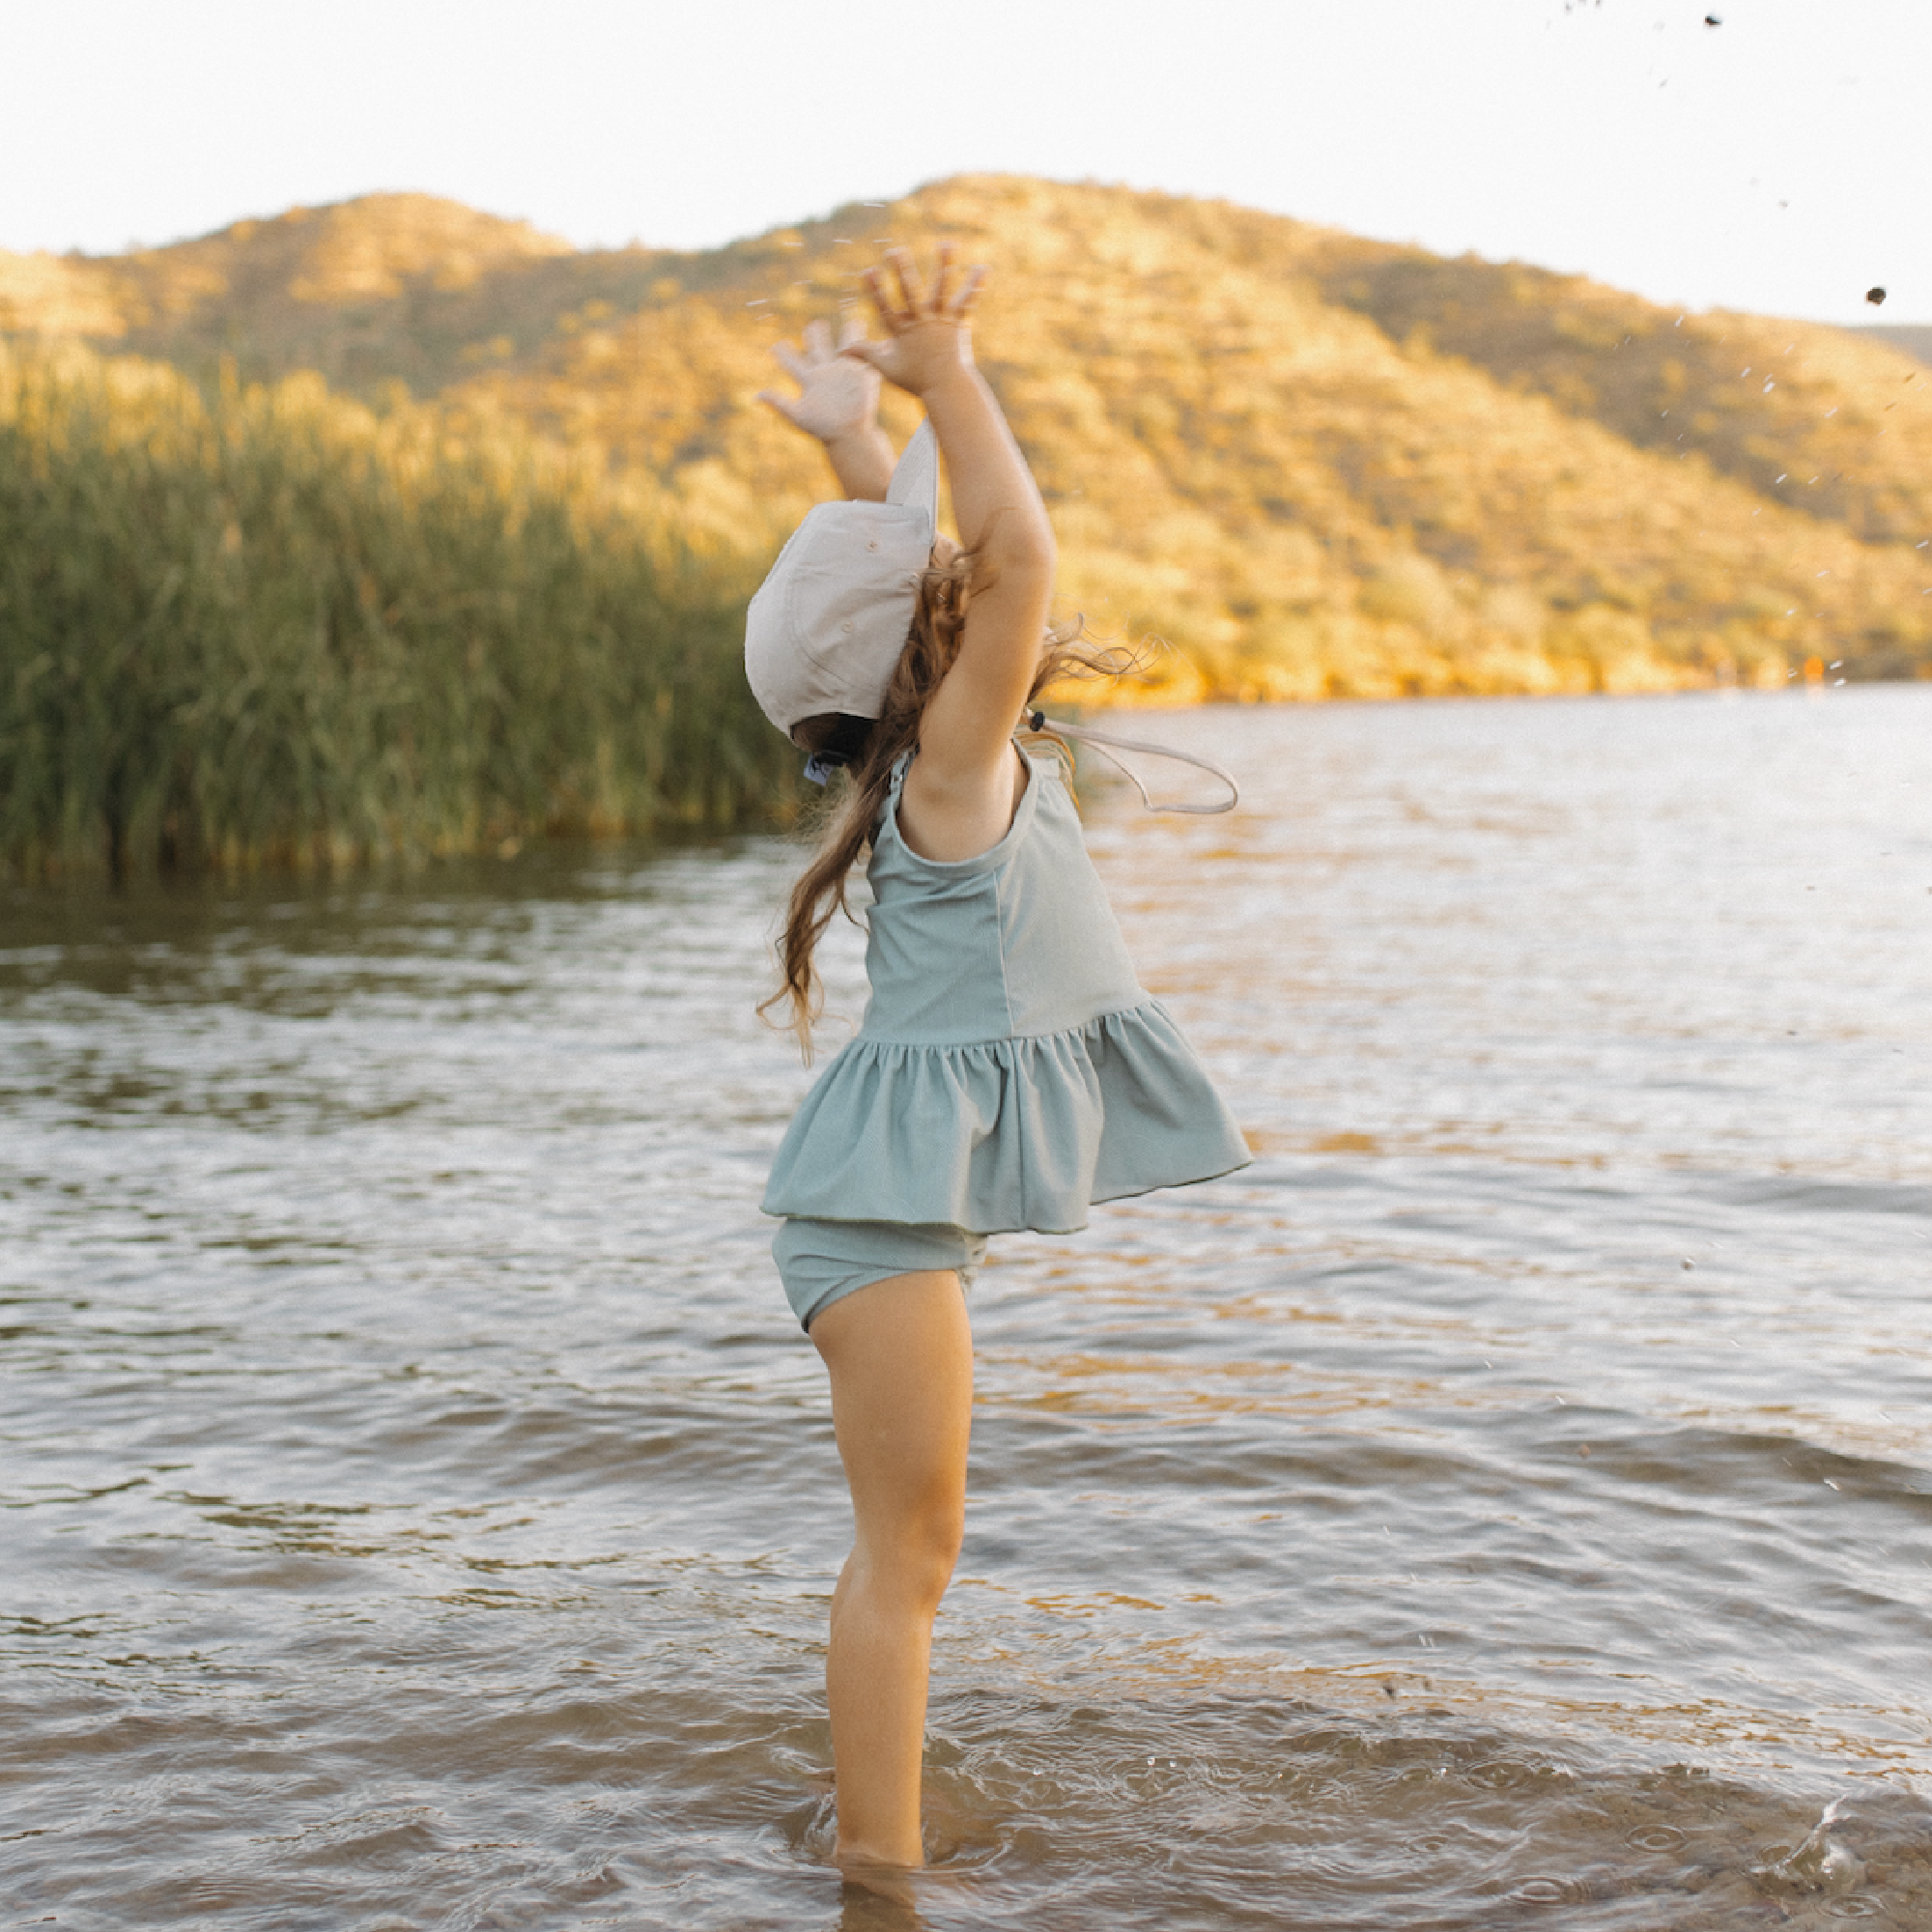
(267, 625)
(394, 527)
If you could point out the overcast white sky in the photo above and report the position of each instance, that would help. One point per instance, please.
(1780, 161)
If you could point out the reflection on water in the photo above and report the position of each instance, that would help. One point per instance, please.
(1508, 1502)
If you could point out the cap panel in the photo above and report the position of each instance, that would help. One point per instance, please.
(853, 583)
(826, 628)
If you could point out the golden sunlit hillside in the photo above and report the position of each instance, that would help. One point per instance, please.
(1316, 465)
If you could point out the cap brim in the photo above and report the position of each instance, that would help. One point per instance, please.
(915, 484)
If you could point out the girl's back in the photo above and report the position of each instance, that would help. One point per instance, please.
(1017, 942)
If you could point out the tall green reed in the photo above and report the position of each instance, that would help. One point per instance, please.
(266, 625)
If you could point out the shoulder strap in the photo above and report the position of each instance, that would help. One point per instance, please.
(896, 785)
(1084, 734)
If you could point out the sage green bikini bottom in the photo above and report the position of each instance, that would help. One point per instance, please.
(822, 1261)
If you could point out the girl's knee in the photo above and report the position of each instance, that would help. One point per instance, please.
(940, 1549)
(911, 1541)
(914, 1565)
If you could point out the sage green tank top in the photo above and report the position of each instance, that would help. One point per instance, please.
(1010, 1069)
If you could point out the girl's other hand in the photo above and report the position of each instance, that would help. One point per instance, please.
(927, 336)
(838, 391)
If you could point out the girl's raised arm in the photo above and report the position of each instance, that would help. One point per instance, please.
(838, 401)
(960, 793)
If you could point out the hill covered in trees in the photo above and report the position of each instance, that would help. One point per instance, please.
(1315, 464)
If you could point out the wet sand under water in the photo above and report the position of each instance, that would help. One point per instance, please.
(1509, 1503)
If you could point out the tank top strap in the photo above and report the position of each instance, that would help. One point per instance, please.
(889, 805)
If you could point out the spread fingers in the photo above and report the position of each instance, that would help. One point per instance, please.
(876, 287)
(907, 275)
(969, 291)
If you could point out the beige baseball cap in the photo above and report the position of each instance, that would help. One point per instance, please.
(829, 623)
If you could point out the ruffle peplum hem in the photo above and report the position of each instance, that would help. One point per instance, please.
(1004, 1134)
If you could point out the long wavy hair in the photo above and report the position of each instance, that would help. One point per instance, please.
(870, 747)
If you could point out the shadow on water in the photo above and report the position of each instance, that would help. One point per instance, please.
(151, 931)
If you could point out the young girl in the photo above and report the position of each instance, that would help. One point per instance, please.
(1010, 1071)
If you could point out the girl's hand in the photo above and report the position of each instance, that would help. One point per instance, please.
(926, 338)
(838, 393)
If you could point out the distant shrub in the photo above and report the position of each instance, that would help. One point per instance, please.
(1410, 589)
(266, 625)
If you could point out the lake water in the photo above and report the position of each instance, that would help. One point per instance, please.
(1508, 1503)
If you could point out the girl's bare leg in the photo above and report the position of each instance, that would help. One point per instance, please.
(900, 1356)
